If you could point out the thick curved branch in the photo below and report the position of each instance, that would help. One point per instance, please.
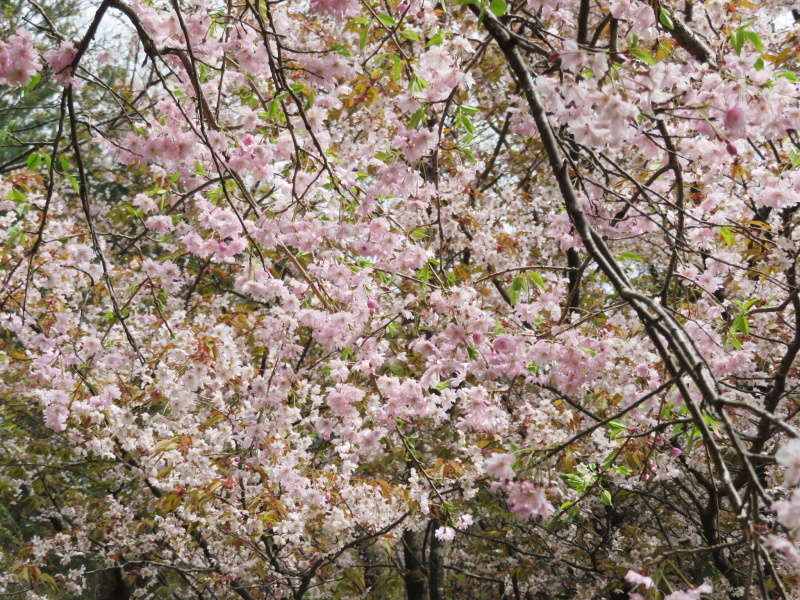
(673, 344)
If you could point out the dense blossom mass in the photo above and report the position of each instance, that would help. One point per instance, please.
(359, 299)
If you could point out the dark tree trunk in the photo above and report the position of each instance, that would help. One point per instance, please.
(415, 576)
(436, 567)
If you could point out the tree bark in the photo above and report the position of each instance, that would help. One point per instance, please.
(415, 576)
(436, 567)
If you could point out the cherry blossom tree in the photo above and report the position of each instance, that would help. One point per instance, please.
(356, 299)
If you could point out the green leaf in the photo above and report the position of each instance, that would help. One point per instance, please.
(605, 496)
(537, 279)
(410, 35)
(387, 20)
(737, 41)
(420, 232)
(424, 274)
(727, 235)
(437, 39)
(417, 118)
(740, 324)
(711, 422)
(666, 19)
(33, 82)
(741, 36)
(397, 68)
(642, 55)
(342, 50)
(749, 304)
(630, 256)
(759, 64)
(17, 196)
(755, 39)
(416, 83)
(514, 291)
(363, 38)
(498, 7)
(34, 160)
(789, 75)
(473, 354)
(13, 234)
(616, 427)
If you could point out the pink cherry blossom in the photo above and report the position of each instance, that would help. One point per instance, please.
(445, 534)
(528, 501)
(788, 511)
(788, 455)
(59, 61)
(336, 8)
(499, 466)
(572, 59)
(785, 547)
(145, 203)
(735, 118)
(18, 59)
(159, 223)
(691, 593)
(464, 522)
(637, 579)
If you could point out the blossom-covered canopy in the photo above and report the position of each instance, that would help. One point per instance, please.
(360, 299)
